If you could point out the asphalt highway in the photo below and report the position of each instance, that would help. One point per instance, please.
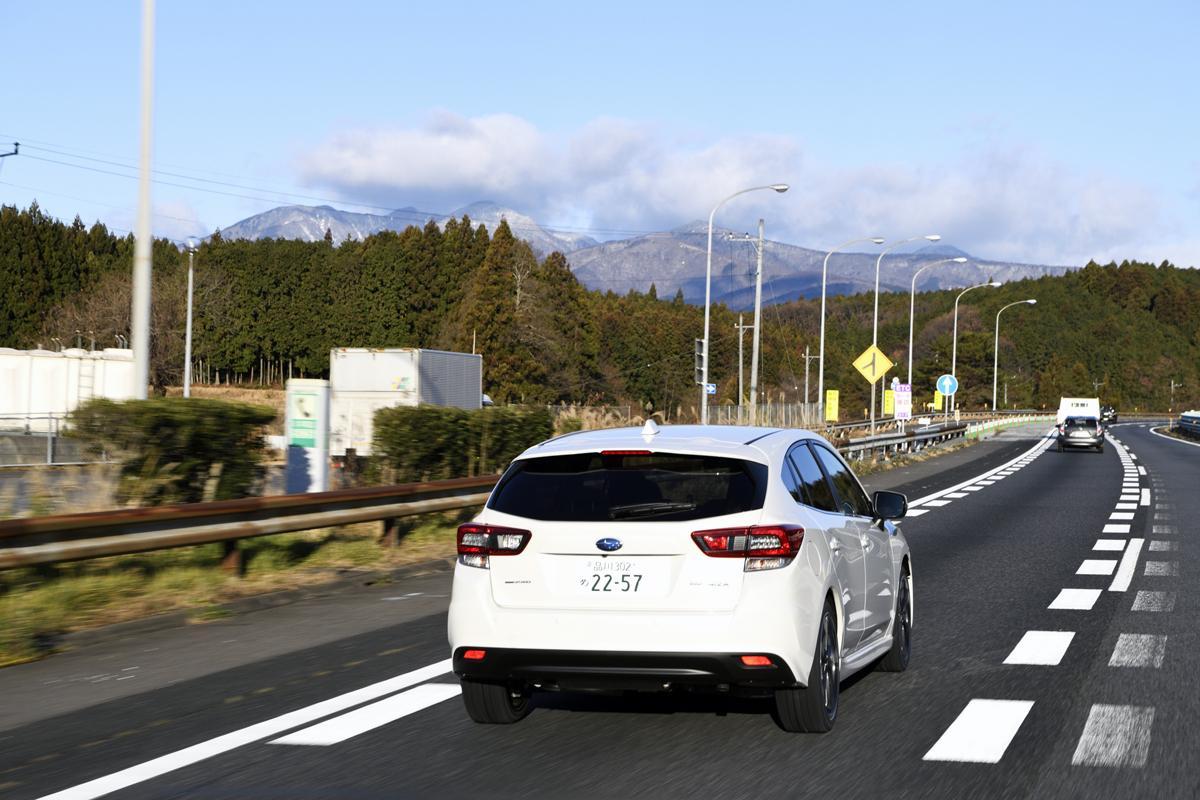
(1054, 652)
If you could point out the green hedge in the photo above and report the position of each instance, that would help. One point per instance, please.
(173, 450)
(433, 443)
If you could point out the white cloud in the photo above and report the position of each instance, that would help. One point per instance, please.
(1001, 202)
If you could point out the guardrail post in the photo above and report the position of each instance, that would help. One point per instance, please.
(393, 531)
(232, 558)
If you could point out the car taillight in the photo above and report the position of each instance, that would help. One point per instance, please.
(477, 543)
(762, 546)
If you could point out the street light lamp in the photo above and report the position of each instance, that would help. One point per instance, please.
(996, 356)
(776, 187)
(954, 341)
(821, 355)
(187, 336)
(912, 305)
(932, 237)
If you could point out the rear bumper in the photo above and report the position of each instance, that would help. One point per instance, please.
(1080, 441)
(604, 669)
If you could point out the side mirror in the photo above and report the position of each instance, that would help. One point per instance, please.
(889, 505)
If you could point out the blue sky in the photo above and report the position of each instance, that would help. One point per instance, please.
(1043, 132)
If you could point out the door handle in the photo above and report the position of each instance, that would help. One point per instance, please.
(835, 546)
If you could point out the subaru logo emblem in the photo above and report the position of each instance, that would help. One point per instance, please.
(609, 545)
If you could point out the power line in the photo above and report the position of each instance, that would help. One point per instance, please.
(418, 214)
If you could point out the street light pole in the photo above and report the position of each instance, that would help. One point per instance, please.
(932, 237)
(954, 341)
(821, 345)
(139, 328)
(777, 187)
(996, 350)
(912, 305)
(187, 336)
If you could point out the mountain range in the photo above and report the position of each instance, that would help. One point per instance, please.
(670, 260)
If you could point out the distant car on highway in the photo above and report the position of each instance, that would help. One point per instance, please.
(742, 560)
(1081, 432)
(1108, 415)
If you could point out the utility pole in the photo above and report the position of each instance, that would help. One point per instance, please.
(1096, 386)
(757, 329)
(1174, 386)
(807, 359)
(741, 329)
(143, 244)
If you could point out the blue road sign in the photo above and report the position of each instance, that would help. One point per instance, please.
(947, 384)
(710, 388)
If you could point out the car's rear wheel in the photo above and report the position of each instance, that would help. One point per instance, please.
(897, 658)
(495, 703)
(814, 708)
(1099, 448)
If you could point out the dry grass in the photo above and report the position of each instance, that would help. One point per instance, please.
(272, 398)
(38, 605)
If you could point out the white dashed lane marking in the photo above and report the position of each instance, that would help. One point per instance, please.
(1097, 566)
(1145, 498)
(1075, 600)
(982, 732)
(1154, 601)
(1159, 546)
(1121, 515)
(1115, 736)
(1116, 528)
(1156, 569)
(1139, 650)
(1116, 545)
(1041, 648)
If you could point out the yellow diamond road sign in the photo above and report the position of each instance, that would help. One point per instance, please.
(873, 364)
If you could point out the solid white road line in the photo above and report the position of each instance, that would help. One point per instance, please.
(1026, 457)
(1116, 545)
(982, 732)
(1139, 650)
(1116, 528)
(1097, 566)
(1042, 648)
(1158, 569)
(1160, 546)
(1154, 601)
(1173, 439)
(367, 718)
(222, 744)
(1075, 600)
(1128, 564)
(1115, 736)
(1145, 498)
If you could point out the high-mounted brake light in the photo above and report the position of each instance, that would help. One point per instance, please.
(476, 543)
(626, 453)
(763, 546)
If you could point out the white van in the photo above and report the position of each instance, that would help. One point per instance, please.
(1077, 407)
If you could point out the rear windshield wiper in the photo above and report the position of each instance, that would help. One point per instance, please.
(648, 509)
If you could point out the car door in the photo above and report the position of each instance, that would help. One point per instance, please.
(876, 549)
(813, 489)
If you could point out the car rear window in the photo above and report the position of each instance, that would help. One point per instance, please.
(658, 487)
(1081, 422)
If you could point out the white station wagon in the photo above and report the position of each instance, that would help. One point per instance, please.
(727, 558)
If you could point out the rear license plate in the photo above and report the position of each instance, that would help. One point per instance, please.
(613, 576)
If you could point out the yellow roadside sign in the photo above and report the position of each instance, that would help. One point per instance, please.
(873, 364)
(937, 400)
(889, 401)
(831, 405)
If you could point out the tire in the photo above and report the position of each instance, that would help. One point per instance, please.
(814, 708)
(897, 658)
(1099, 448)
(494, 703)
(1060, 447)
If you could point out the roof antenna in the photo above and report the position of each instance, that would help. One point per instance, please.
(650, 428)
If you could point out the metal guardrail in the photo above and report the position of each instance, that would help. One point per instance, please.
(70, 537)
(906, 442)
